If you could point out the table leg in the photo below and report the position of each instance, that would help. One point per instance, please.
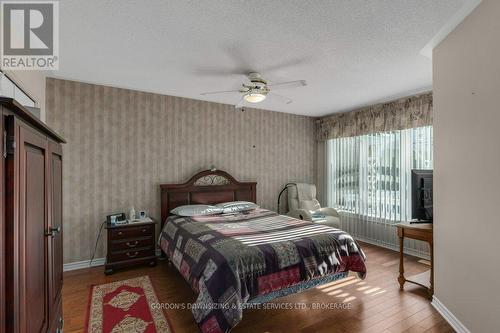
(401, 277)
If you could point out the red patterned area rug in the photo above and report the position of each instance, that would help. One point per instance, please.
(126, 306)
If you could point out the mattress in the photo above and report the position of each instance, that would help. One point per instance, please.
(230, 260)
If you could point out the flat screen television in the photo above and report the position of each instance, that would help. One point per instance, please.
(421, 195)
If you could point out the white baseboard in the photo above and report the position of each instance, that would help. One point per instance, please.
(394, 248)
(448, 316)
(83, 264)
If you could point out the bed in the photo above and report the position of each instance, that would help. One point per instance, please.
(232, 261)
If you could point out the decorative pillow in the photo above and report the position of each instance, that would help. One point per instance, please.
(311, 205)
(237, 206)
(196, 210)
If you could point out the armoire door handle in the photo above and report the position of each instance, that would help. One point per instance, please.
(53, 231)
(56, 229)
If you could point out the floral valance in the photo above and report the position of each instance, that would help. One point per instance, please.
(408, 112)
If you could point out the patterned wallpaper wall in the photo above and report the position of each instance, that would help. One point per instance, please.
(123, 143)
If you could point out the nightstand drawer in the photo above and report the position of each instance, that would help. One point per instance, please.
(131, 254)
(131, 232)
(130, 244)
(124, 245)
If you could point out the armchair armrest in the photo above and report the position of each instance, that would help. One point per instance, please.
(300, 214)
(329, 211)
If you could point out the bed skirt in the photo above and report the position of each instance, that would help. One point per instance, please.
(297, 288)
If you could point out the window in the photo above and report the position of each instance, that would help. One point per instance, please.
(10, 89)
(370, 175)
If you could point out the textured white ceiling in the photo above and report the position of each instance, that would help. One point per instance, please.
(351, 53)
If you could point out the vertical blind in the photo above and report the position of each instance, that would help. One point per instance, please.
(369, 176)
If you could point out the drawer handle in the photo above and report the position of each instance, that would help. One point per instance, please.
(134, 244)
(120, 233)
(145, 229)
(132, 255)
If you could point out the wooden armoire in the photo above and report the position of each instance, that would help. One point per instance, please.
(31, 248)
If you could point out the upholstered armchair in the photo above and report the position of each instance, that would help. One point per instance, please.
(303, 205)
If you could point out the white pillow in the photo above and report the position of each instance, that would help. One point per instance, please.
(196, 210)
(311, 205)
(236, 206)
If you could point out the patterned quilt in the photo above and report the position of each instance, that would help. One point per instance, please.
(229, 259)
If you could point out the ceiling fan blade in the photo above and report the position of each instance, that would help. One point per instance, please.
(286, 64)
(216, 72)
(289, 84)
(220, 92)
(280, 98)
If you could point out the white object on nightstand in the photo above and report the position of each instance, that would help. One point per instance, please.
(144, 220)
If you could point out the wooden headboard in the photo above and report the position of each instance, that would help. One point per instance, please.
(206, 187)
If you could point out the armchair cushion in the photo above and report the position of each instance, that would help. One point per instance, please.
(311, 205)
(329, 211)
(300, 214)
(303, 214)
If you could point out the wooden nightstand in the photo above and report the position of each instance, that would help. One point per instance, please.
(130, 244)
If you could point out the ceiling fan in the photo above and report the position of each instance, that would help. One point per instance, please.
(257, 90)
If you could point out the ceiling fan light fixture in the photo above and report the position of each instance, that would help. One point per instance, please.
(253, 97)
(256, 90)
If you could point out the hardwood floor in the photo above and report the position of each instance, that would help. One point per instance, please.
(373, 305)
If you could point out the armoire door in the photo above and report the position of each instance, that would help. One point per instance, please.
(33, 308)
(2, 232)
(31, 216)
(55, 239)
